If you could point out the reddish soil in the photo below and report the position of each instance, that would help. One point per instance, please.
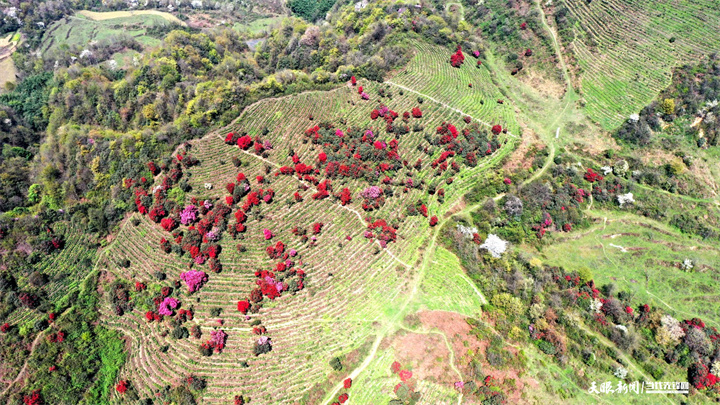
(457, 331)
(518, 159)
(426, 355)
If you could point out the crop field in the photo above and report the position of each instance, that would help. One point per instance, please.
(626, 61)
(645, 258)
(7, 66)
(259, 25)
(352, 293)
(430, 73)
(78, 30)
(110, 15)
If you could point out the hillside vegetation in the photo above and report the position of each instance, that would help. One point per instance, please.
(375, 202)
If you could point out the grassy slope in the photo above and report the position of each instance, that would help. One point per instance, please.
(623, 48)
(649, 267)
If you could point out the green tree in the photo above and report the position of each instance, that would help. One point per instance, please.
(667, 106)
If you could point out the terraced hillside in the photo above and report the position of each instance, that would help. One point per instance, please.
(469, 88)
(355, 291)
(626, 49)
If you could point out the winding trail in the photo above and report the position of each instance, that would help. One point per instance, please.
(21, 374)
(556, 45)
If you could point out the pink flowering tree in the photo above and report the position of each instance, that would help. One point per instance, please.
(194, 279)
(217, 340)
(189, 214)
(167, 306)
(268, 234)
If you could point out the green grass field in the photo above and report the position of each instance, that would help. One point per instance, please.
(644, 257)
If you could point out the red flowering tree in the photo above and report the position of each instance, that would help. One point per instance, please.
(416, 112)
(592, 176)
(433, 220)
(345, 196)
(343, 398)
(153, 168)
(244, 142)
(405, 375)
(168, 224)
(353, 80)
(33, 399)
(121, 386)
(347, 383)
(496, 129)
(457, 59)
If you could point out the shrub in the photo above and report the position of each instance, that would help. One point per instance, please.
(336, 364)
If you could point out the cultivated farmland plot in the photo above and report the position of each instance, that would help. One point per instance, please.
(352, 288)
(626, 50)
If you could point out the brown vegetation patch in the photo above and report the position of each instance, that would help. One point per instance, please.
(544, 85)
(459, 206)
(518, 158)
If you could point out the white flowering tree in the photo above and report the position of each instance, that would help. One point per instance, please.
(625, 199)
(495, 245)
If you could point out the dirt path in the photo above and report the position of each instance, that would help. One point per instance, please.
(556, 45)
(21, 374)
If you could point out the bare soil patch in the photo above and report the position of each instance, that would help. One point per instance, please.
(518, 159)
(457, 331)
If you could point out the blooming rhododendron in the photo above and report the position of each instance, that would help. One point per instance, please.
(267, 234)
(343, 398)
(33, 399)
(244, 142)
(189, 214)
(243, 306)
(433, 220)
(194, 279)
(371, 192)
(347, 383)
(167, 306)
(395, 367)
(121, 387)
(405, 375)
(457, 58)
(217, 341)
